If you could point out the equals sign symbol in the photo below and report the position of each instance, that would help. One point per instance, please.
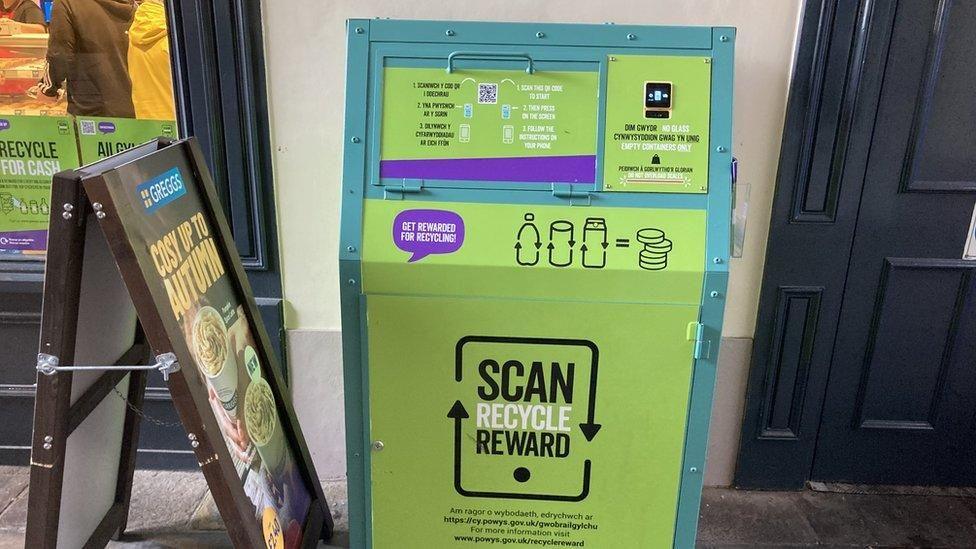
(623, 242)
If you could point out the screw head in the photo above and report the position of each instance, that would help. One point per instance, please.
(378, 446)
(47, 446)
(540, 34)
(714, 294)
(48, 438)
(97, 206)
(717, 260)
(355, 140)
(720, 149)
(360, 30)
(100, 215)
(66, 215)
(352, 281)
(693, 470)
(194, 444)
(631, 36)
(613, 58)
(449, 32)
(723, 38)
(191, 436)
(350, 248)
(68, 207)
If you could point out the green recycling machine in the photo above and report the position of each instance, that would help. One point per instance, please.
(534, 260)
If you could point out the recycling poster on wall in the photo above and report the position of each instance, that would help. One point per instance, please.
(529, 413)
(102, 137)
(497, 125)
(32, 149)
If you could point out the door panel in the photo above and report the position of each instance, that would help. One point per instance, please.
(429, 355)
(866, 316)
(833, 96)
(899, 406)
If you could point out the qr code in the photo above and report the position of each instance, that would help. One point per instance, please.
(87, 127)
(488, 93)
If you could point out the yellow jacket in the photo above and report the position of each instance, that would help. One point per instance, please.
(149, 63)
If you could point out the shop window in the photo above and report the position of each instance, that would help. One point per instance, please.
(79, 80)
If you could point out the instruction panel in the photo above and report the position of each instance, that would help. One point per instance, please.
(656, 137)
(489, 125)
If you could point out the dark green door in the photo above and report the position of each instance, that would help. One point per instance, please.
(862, 366)
(900, 406)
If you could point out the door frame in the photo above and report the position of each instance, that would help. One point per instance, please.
(833, 98)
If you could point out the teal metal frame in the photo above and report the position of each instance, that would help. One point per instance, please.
(373, 44)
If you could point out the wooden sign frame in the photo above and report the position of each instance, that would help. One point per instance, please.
(84, 195)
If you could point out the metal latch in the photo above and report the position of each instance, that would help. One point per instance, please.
(166, 363)
(696, 333)
(406, 186)
(566, 190)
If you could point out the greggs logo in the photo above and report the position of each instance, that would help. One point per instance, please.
(161, 190)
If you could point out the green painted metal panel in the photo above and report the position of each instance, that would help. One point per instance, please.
(515, 456)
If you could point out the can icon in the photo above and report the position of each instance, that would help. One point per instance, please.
(561, 243)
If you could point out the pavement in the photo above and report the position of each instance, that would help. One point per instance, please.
(173, 509)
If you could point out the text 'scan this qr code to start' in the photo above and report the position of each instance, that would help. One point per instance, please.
(488, 93)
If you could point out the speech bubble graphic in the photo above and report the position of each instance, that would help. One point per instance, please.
(426, 232)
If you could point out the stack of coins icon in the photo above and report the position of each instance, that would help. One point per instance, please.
(654, 256)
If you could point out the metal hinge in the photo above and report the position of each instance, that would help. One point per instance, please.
(696, 333)
(406, 186)
(576, 196)
(166, 363)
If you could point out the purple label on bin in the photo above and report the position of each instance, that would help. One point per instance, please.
(425, 232)
(106, 127)
(4, 124)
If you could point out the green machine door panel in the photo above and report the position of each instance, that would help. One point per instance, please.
(541, 417)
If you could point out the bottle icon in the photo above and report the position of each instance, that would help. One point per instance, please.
(561, 243)
(528, 242)
(595, 243)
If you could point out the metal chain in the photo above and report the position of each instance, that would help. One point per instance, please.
(143, 415)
